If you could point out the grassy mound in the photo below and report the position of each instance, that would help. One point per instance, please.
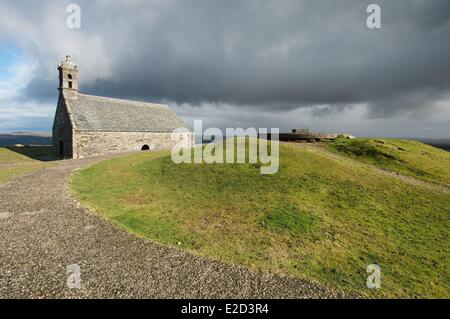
(402, 156)
(318, 218)
(16, 161)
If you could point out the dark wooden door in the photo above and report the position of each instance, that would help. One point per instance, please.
(61, 150)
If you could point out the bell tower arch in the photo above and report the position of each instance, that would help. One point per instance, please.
(68, 78)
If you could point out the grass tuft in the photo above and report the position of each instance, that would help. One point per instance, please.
(288, 219)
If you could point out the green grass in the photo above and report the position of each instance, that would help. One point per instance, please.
(318, 218)
(288, 219)
(411, 158)
(15, 161)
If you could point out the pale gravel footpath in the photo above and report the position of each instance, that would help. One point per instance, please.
(43, 230)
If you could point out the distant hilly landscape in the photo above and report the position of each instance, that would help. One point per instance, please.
(443, 143)
(26, 138)
(43, 138)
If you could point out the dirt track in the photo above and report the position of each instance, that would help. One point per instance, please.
(43, 230)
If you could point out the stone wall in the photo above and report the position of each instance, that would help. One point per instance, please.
(62, 131)
(88, 144)
(299, 137)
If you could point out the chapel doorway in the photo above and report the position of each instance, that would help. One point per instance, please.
(61, 150)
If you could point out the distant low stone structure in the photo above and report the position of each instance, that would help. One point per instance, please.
(87, 125)
(303, 134)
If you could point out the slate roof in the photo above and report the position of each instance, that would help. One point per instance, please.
(96, 113)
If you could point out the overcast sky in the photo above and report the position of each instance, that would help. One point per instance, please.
(237, 63)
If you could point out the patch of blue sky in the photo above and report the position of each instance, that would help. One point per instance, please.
(10, 55)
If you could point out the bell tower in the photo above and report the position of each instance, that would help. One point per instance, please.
(68, 78)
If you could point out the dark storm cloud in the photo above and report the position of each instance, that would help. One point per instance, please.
(315, 52)
(272, 55)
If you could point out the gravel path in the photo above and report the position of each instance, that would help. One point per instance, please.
(43, 230)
